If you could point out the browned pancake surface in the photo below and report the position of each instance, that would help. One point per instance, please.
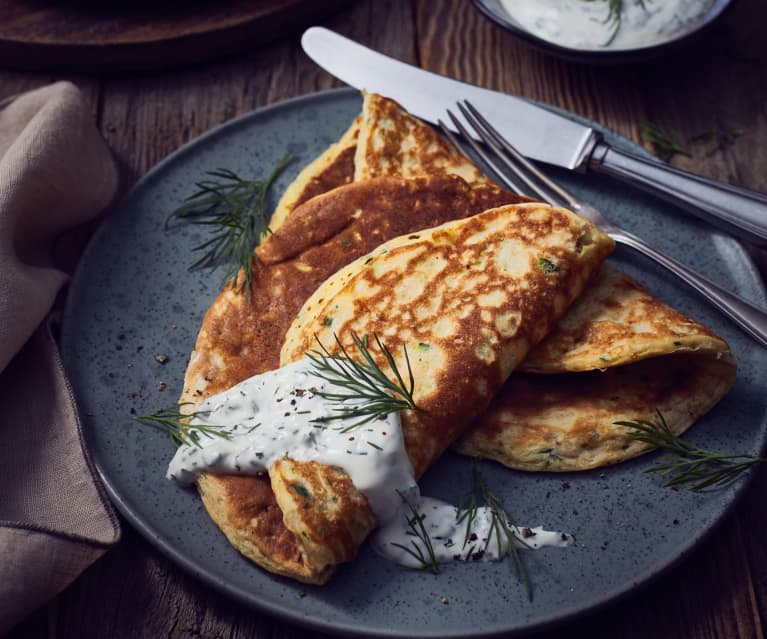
(567, 422)
(467, 299)
(615, 322)
(334, 167)
(240, 338)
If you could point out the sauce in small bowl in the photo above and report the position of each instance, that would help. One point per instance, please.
(604, 30)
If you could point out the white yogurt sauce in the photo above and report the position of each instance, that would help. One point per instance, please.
(583, 24)
(269, 416)
(273, 415)
(451, 541)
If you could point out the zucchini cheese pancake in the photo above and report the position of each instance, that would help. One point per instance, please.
(439, 289)
(619, 354)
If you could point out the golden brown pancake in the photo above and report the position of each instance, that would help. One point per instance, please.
(619, 354)
(467, 299)
(335, 167)
(616, 322)
(239, 339)
(394, 143)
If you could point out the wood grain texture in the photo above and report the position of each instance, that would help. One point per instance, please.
(720, 590)
(458, 41)
(84, 35)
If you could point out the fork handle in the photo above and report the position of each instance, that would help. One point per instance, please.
(749, 317)
(738, 211)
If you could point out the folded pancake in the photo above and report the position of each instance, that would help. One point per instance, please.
(619, 354)
(241, 337)
(313, 237)
(467, 299)
(498, 255)
(393, 143)
(334, 167)
(382, 141)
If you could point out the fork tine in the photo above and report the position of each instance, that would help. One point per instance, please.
(485, 129)
(507, 179)
(530, 187)
(452, 138)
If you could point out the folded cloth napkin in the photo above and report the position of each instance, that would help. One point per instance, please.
(56, 173)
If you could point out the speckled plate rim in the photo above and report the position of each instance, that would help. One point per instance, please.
(636, 54)
(358, 627)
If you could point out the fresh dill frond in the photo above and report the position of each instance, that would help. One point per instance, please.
(718, 139)
(689, 465)
(234, 210)
(500, 525)
(663, 142)
(416, 528)
(176, 423)
(364, 389)
(614, 17)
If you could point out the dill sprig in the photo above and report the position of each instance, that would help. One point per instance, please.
(417, 529)
(663, 142)
(689, 465)
(365, 390)
(234, 210)
(615, 16)
(718, 139)
(500, 525)
(176, 423)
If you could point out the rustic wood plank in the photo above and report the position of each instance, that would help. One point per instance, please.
(150, 597)
(752, 517)
(722, 85)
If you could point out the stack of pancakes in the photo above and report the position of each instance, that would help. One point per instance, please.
(393, 232)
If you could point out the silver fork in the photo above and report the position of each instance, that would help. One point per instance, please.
(522, 177)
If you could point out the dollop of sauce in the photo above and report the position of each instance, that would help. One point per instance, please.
(275, 414)
(450, 539)
(588, 25)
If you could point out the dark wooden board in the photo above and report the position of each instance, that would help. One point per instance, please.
(120, 35)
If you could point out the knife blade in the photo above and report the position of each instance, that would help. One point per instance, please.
(537, 132)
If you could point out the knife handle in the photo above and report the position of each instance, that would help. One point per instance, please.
(738, 211)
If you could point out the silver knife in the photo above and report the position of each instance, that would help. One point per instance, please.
(538, 133)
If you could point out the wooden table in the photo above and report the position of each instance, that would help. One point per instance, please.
(718, 591)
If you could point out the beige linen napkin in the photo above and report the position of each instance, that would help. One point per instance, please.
(56, 173)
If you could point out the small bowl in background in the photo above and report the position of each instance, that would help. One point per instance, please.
(494, 10)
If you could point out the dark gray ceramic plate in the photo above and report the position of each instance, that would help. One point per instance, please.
(133, 298)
